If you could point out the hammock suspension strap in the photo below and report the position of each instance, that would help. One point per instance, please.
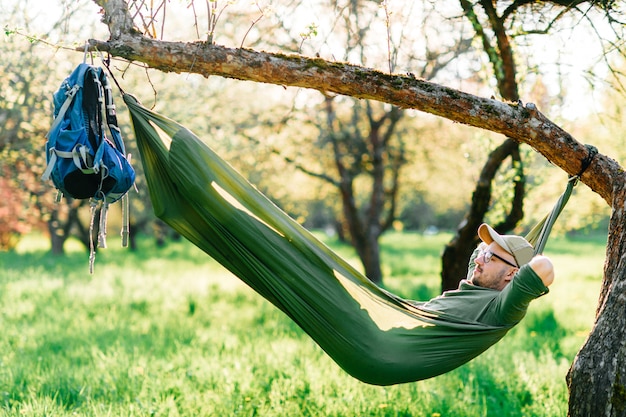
(538, 236)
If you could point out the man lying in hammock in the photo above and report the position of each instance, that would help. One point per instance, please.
(504, 275)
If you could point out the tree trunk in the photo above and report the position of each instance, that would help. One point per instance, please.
(134, 228)
(63, 219)
(364, 238)
(368, 250)
(83, 233)
(597, 377)
(57, 237)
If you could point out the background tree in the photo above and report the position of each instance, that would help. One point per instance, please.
(359, 149)
(367, 142)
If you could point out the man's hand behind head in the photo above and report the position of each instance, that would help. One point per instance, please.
(543, 267)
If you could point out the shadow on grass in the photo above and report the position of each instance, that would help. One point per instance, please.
(34, 264)
(543, 333)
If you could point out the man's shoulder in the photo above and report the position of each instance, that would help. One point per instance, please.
(527, 281)
(468, 302)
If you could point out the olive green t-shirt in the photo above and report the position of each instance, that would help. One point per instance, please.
(488, 306)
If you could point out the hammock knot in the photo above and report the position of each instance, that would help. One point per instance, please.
(592, 151)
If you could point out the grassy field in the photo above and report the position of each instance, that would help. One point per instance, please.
(167, 332)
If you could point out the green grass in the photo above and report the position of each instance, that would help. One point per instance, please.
(167, 332)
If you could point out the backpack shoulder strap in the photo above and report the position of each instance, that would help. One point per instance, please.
(61, 114)
(63, 99)
(65, 95)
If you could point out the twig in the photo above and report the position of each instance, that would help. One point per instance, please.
(252, 25)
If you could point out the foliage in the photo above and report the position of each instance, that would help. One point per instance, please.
(22, 106)
(11, 210)
(166, 331)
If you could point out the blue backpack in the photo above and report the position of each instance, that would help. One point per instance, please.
(82, 161)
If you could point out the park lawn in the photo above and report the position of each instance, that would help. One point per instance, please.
(168, 332)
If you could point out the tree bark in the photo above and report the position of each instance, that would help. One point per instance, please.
(597, 377)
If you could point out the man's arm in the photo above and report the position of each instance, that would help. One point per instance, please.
(511, 304)
(542, 266)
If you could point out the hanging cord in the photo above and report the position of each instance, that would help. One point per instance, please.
(125, 232)
(538, 236)
(106, 62)
(86, 52)
(125, 221)
(102, 228)
(98, 200)
(93, 206)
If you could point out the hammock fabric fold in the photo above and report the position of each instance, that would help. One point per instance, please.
(373, 335)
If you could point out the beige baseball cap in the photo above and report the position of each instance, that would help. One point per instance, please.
(517, 246)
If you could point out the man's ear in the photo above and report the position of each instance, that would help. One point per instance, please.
(511, 274)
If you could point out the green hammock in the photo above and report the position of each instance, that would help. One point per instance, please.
(373, 335)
